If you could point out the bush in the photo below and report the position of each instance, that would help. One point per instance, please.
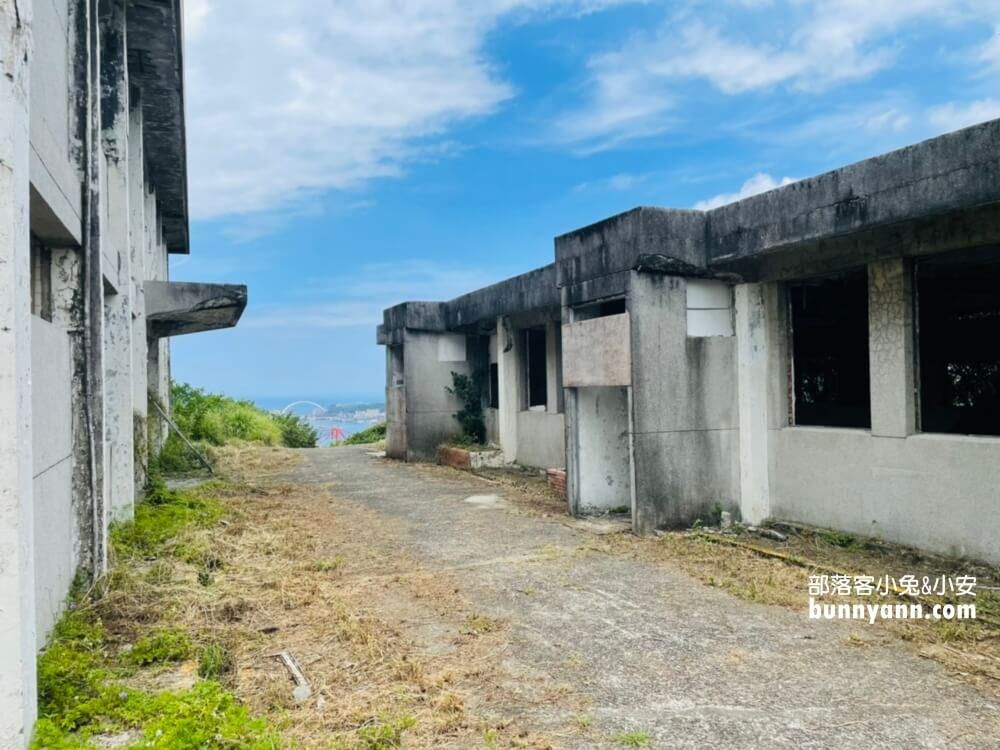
(370, 435)
(213, 419)
(296, 432)
(469, 390)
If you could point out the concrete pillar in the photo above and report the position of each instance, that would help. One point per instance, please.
(137, 257)
(752, 355)
(890, 348)
(17, 584)
(116, 244)
(509, 377)
(553, 367)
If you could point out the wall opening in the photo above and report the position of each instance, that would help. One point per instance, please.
(604, 480)
(829, 319)
(396, 365)
(535, 376)
(600, 309)
(958, 301)
(41, 281)
(494, 385)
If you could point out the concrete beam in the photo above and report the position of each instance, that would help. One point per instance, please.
(951, 173)
(178, 307)
(614, 246)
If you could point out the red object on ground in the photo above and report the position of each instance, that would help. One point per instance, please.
(337, 433)
(557, 480)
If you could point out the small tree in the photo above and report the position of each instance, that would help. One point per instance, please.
(469, 390)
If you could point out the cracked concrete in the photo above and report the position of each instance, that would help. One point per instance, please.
(643, 646)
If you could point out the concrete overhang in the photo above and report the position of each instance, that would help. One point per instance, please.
(178, 307)
(942, 186)
(534, 290)
(155, 67)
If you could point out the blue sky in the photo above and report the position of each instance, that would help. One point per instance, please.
(344, 156)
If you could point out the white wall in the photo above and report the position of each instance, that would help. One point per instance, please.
(541, 439)
(56, 543)
(597, 352)
(604, 466)
(53, 173)
(938, 492)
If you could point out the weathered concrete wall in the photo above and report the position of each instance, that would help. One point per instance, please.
(56, 532)
(949, 173)
(938, 492)
(604, 478)
(55, 175)
(685, 416)
(541, 439)
(430, 408)
(613, 246)
(597, 352)
(17, 579)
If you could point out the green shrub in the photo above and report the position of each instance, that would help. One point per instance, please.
(160, 647)
(370, 435)
(469, 390)
(214, 419)
(296, 432)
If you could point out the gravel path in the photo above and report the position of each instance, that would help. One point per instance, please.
(641, 647)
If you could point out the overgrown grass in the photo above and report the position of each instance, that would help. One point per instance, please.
(211, 419)
(90, 682)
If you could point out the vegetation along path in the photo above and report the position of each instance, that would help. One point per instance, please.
(430, 608)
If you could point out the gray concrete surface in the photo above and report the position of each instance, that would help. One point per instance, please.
(652, 649)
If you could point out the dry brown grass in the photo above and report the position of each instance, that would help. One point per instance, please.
(387, 646)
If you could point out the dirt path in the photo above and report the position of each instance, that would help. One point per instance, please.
(584, 649)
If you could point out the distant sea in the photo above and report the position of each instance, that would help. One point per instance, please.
(326, 426)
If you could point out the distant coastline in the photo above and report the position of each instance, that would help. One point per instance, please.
(330, 416)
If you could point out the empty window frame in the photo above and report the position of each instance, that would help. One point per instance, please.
(958, 330)
(601, 309)
(41, 281)
(494, 385)
(535, 376)
(829, 318)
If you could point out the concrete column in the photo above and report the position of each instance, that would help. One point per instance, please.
(117, 246)
(553, 376)
(17, 583)
(890, 348)
(509, 377)
(752, 356)
(137, 256)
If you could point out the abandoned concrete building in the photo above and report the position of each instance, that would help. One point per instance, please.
(93, 198)
(826, 353)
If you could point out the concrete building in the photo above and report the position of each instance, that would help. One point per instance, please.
(93, 198)
(825, 353)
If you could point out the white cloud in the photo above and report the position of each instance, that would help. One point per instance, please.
(287, 100)
(806, 47)
(955, 115)
(360, 298)
(759, 183)
(616, 183)
(989, 53)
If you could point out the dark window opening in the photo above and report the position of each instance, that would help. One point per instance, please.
(41, 281)
(958, 302)
(830, 350)
(600, 309)
(534, 367)
(494, 385)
